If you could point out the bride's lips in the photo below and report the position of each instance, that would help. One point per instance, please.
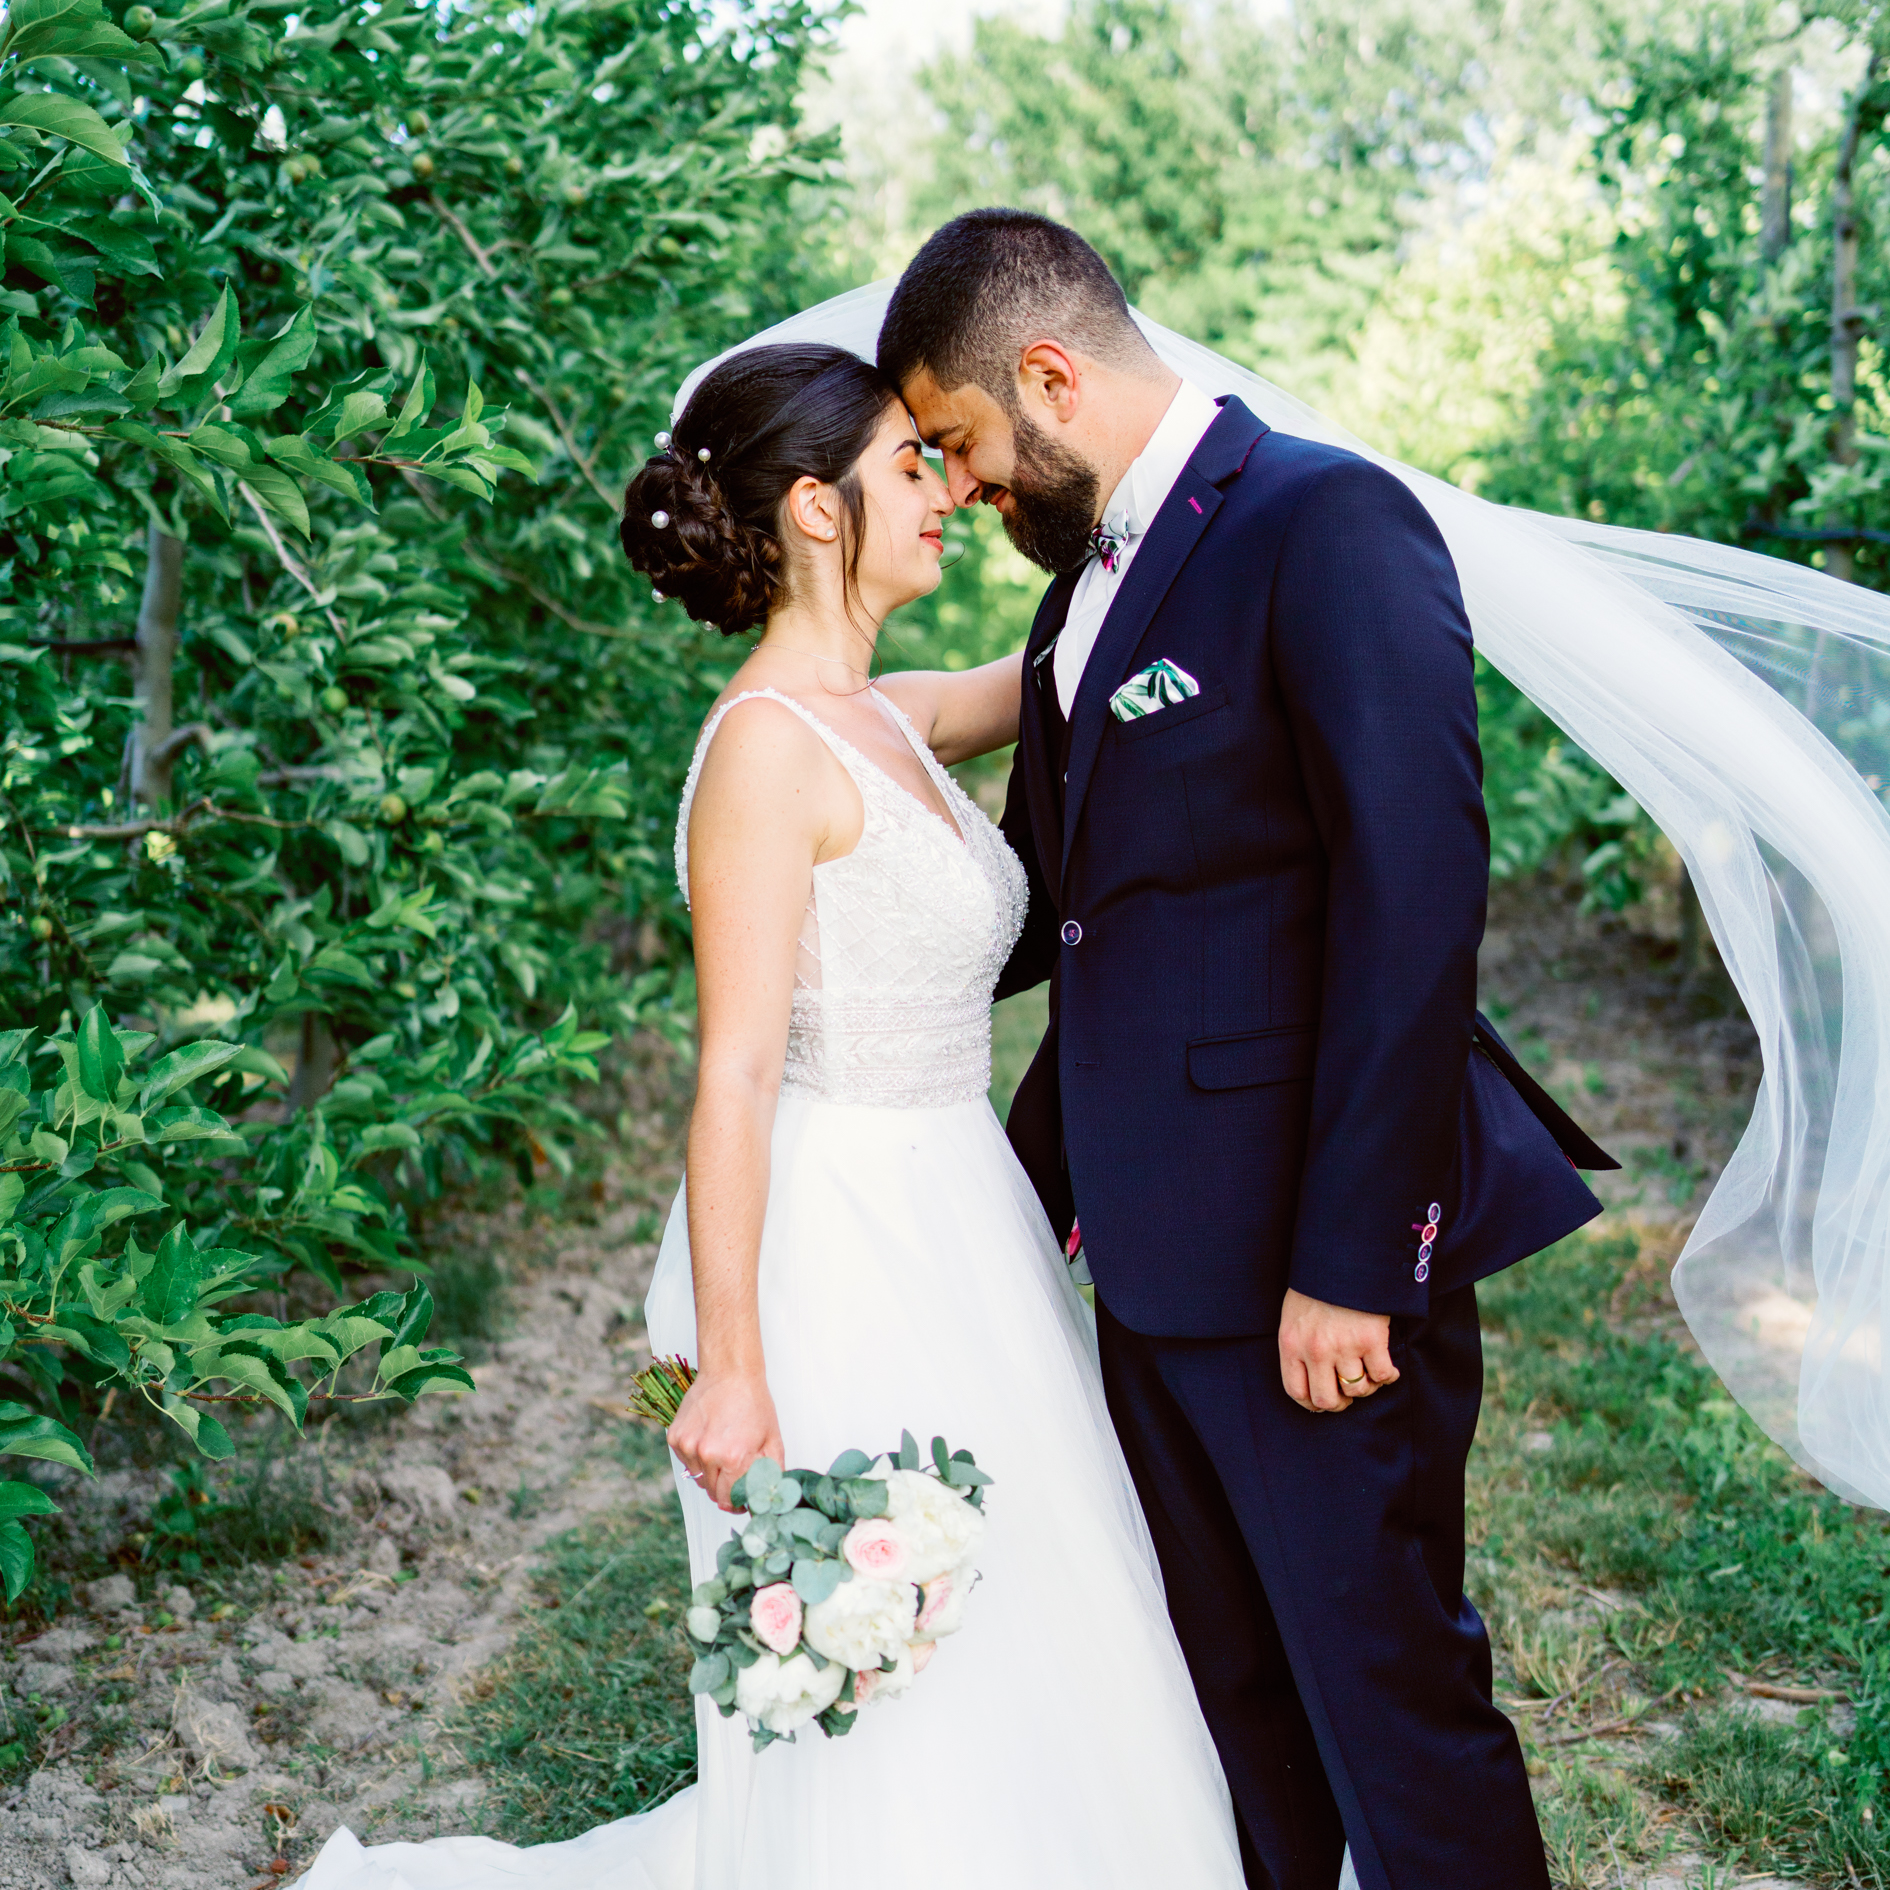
(934, 538)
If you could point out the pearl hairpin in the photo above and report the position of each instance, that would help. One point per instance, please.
(656, 597)
(662, 442)
(659, 519)
(702, 453)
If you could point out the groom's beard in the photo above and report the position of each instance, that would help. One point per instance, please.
(1053, 500)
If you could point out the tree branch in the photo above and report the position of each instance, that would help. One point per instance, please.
(88, 646)
(172, 824)
(570, 443)
(290, 563)
(479, 256)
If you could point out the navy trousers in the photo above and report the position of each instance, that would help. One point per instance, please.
(1314, 1567)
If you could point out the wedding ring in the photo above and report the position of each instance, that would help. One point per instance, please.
(1358, 1379)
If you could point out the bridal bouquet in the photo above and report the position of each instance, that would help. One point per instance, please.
(836, 1589)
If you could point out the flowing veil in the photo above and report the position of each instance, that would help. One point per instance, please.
(1745, 704)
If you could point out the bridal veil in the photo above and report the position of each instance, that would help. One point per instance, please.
(1744, 703)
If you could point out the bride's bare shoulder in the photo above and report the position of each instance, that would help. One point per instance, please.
(767, 765)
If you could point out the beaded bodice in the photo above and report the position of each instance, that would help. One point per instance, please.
(903, 939)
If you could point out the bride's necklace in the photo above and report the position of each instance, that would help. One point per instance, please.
(819, 657)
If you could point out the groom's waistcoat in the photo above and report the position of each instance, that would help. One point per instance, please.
(1260, 908)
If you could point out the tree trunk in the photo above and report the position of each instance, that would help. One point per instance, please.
(152, 750)
(1847, 321)
(314, 1064)
(1775, 216)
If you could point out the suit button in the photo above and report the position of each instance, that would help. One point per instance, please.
(1072, 932)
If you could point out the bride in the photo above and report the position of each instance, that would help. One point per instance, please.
(856, 1251)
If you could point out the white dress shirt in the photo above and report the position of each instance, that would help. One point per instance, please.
(1130, 512)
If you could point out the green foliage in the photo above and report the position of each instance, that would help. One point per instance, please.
(587, 1718)
(332, 335)
(82, 1302)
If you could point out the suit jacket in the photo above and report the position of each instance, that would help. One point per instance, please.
(1260, 910)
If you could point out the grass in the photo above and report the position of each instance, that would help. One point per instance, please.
(1658, 1543)
(588, 1718)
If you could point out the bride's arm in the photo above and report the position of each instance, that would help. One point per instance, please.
(961, 713)
(764, 811)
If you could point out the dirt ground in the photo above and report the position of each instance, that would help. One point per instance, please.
(320, 1691)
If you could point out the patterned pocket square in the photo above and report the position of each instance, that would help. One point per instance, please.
(1160, 686)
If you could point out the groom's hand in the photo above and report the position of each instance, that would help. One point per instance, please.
(1323, 1347)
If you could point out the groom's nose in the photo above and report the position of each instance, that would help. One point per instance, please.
(959, 481)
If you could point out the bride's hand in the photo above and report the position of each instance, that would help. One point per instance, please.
(723, 1424)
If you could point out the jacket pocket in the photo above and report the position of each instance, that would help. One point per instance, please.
(1262, 1056)
(1213, 696)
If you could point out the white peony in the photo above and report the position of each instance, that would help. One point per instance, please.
(939, 1527)
(877, 1684)
(704, 1622)
(862, 1622)
(942, 1608)
(785, 1694)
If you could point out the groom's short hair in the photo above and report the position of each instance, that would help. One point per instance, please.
(987, 285)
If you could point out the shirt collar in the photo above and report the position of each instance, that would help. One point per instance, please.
(1145, 487)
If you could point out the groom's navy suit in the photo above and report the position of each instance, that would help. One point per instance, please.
(1259, 909)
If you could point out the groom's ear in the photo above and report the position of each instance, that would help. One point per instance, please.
(1050, 382)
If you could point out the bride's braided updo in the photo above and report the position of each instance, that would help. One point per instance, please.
(702, 520)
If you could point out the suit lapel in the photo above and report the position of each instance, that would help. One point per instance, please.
(1178, 526)
(1038, 763)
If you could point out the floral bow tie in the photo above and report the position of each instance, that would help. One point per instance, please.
(1107, 545)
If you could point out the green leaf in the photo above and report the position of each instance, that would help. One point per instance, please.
(65, 28)
(850, 1463)
(25, 1433)
(64, 117)
(753, 1490)
(169, 1290)
(271, 380)
(210, 353)
(21, 1499)
(12, 1187)
(201, 1428)
(279, 492)
(101, 1056)
(170, 1074)
(380, 1135)
(416, 1315)
(359, 411)
(294, 451)
(815, 1580)
(409, 1385)
(908, 1451)
(16, 1559)
(349, 1332)
(415, 408)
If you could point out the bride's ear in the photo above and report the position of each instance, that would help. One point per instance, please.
(811, 510)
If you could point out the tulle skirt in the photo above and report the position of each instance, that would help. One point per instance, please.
(909, 1281)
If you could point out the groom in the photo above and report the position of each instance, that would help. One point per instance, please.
(1248, 794)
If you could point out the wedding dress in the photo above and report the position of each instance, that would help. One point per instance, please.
(909, 1281)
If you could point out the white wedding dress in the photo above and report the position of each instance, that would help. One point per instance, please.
(910, 1281)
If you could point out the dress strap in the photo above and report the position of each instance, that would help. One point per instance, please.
(844, 752)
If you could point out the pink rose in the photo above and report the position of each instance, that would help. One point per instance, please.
(863, 1685)
(938, 1597)
(922, 1652)
(875, 1549)
(775, 1615)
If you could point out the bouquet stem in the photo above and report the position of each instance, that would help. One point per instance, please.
(657, 1392)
